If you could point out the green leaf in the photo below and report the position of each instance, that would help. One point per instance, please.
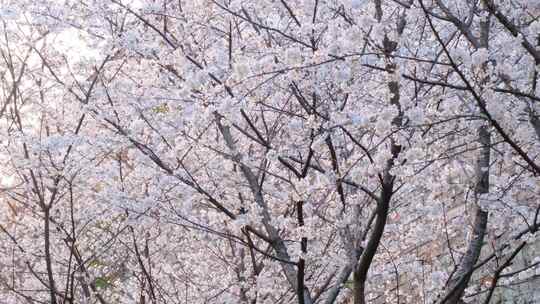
(102, 282)
(164, 108)
(95, 263)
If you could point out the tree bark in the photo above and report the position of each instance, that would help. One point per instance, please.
(462, 277)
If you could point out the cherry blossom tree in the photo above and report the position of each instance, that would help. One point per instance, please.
(234, 151)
